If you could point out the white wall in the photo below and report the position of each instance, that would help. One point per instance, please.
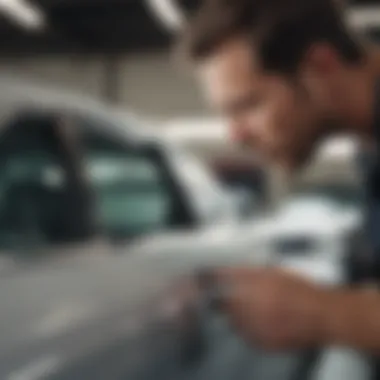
(150, 83)
(155, 84)
(73, 73)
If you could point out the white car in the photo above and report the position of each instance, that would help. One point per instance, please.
(104, 227)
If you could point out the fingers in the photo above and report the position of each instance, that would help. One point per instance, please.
(244, 283)
(268, 307)
(225, 287)
(253, 305)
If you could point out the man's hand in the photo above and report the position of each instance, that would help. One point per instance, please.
(274, 309)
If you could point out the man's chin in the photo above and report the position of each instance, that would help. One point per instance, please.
(289, 166)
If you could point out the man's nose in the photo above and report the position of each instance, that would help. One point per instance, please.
(238, 131)
(242, 132)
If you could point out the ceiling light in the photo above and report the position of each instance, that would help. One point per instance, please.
(23, 13)
(168, 12)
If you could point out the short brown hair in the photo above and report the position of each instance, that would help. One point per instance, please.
(281, 30)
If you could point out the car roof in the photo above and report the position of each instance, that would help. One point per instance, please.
(17, 94)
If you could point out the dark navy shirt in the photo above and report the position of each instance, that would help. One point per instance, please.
(370, 165)
(370, 168)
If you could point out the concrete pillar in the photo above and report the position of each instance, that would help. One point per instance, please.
(112, 79)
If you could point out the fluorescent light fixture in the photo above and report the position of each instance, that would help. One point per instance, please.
(168, 12)
(364, 17)
(23, 13)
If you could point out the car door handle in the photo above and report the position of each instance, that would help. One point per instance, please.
(198, 317)
(187, 312)
(193, 337)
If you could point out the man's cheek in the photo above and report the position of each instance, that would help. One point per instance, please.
(241, 137)
(235, 135)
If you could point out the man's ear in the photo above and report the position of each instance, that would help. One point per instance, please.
(318, 67)
(321, 59)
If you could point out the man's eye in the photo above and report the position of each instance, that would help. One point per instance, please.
(246, 104)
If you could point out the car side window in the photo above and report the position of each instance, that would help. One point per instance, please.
(132, 196)
(34, 201)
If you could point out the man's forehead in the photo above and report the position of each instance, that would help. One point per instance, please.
(236, 56)
(233, 67)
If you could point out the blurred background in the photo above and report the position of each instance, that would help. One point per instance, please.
(119, 52)
(199, 199)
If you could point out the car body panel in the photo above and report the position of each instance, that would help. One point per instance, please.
(62, 312)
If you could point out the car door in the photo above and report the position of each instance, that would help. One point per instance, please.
(65, 314)
(72, 319)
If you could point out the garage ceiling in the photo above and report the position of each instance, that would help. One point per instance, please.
(91, 27)
(88, 26)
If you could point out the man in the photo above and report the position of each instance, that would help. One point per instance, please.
(288, 74)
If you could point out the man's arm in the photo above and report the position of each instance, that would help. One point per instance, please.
(353, 319)
(280, 311)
